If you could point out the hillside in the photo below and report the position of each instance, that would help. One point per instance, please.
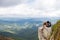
(56, 31)
(5, 38)
(24, 34)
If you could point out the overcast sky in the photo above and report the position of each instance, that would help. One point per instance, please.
(29, 8)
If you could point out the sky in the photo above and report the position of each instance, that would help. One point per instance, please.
(29, 8)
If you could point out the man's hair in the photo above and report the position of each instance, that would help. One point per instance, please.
(49, 24)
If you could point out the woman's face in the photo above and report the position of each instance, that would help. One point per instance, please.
(44, 25)
(47, 24)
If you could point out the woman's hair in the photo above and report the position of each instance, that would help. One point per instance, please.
(44, 23)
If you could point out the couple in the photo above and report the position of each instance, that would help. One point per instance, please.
(44, 32)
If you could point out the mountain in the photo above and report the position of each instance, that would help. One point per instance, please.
(24, 29)
(5, 38)
(24, 34)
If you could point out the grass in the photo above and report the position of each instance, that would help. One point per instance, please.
(56, 31)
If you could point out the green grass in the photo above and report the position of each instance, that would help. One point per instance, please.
(56, 31)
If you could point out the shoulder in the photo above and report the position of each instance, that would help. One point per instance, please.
(39, 28)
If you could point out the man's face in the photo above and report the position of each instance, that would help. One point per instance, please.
(47, 24)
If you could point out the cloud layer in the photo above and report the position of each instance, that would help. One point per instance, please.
(5, 3)
(29, 8)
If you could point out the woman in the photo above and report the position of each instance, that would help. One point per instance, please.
(44, 31)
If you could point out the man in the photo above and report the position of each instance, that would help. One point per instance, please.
(44, 31)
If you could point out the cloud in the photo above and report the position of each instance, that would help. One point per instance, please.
(36, 8)
(44, 4)
(23, 10)
(6, 3)
(57, 4)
